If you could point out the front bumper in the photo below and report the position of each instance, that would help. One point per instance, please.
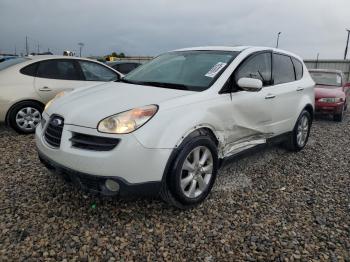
(97, 184)
(135, 168)
(328, 108)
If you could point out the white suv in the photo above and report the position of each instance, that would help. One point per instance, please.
(164, 128)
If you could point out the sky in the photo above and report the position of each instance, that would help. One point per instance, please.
(151, 27)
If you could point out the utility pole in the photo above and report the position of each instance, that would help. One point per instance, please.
(278, 38)
(347, 44)
(38, 49)
(27, 51)
(318, 54)
(15, 50)
(80, 48)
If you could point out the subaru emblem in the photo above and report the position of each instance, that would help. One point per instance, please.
(56, 122)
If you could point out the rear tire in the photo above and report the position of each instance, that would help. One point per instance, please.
(24, 116)
(300, 134)
(192, 172)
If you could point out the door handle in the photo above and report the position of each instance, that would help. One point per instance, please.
(300, 88)
(45, 89)
(270, 96)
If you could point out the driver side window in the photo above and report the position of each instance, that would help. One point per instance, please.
(258, 67)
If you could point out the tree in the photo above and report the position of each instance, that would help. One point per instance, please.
(114, 54)
(122, 55)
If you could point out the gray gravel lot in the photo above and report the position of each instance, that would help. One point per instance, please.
(270, 205)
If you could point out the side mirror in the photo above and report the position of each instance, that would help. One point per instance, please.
(250, 84)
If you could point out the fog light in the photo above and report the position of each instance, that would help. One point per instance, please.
(112, 185)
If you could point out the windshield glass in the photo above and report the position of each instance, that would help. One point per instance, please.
(11, 62)
(186, 70)
(326, 78)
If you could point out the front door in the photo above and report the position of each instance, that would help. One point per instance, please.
(252, 111)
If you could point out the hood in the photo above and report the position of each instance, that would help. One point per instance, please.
(87, 106)
(322, 91)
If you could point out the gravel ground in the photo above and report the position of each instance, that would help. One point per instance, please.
(270, 205)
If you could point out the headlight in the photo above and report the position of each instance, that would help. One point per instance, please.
(128, 121)
(331, 100)
(60, 94)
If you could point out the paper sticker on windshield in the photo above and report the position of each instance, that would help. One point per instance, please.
(338, 79)
(215, 69)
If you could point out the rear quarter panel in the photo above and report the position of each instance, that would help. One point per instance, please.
(15, 87)
(307, 95)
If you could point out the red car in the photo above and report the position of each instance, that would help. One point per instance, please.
(331, 92)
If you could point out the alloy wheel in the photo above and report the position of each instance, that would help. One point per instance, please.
(196, 172)
(28, 118)
(303, 130)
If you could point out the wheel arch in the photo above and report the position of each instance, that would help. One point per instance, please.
(202, 129)
(18, 102)
(310, 109)
(195, 131)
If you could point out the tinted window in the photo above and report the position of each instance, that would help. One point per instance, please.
(11, 62)
(125, 68)
(30, 70)
(283, 69)
(298, 68)
(258, 66)
(58, 69)
(96, 72)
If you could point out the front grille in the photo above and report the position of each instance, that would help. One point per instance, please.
(53, 132)
(96, 143)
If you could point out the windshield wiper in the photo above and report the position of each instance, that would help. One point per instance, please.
(125, 81)
(166, 85)
(156, 84)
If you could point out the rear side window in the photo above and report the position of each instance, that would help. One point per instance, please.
(96, 72)
(30, 70)
(298, 66)
(58, 69)
(283, 69)
(258, 66)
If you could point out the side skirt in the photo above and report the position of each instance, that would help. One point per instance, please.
(253, 147)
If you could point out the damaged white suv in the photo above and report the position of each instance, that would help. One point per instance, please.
(165, 128)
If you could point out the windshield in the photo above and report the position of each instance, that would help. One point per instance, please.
(326, 78)
(185, 70)
(11, 62)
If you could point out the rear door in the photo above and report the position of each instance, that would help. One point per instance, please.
(56, 75)
(286, 91)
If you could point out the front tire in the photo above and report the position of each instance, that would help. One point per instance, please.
(25, 116)
(300, 134)
(192, 173)
(339, 117)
